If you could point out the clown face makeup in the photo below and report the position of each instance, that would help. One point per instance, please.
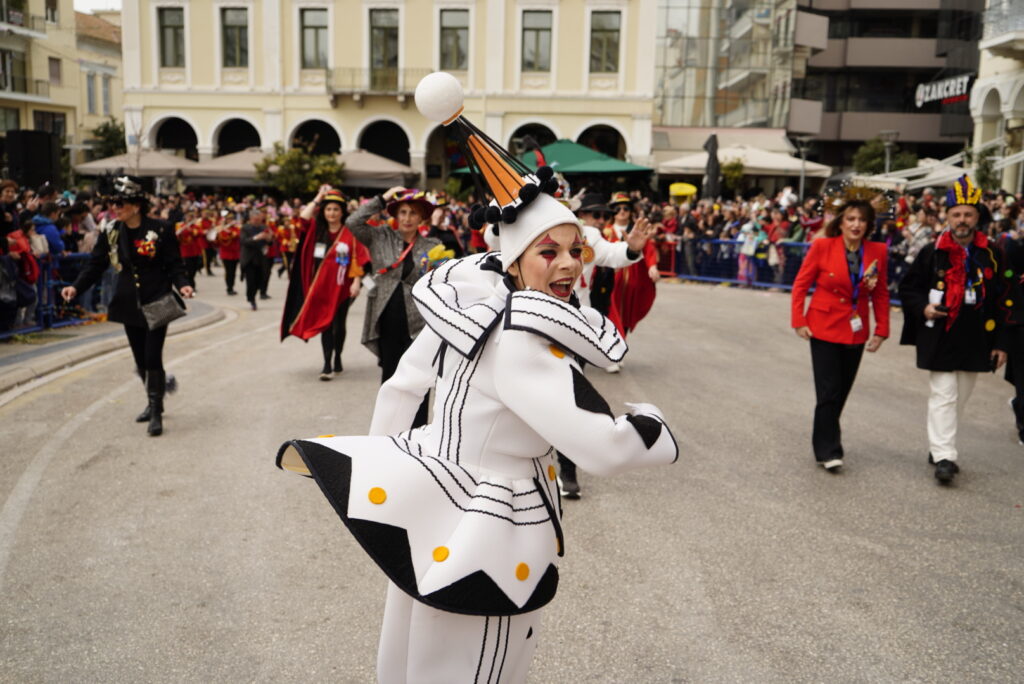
(552, 263)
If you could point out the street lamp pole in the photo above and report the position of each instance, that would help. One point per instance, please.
(889, 138)
(802, 142)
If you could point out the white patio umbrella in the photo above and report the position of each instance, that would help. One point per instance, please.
(756, 162)
(144, 163)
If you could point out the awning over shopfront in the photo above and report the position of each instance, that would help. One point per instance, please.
(671, 142)
(143, 163)
(756, 162)
(368, 170)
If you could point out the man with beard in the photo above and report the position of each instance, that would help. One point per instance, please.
(960, 304)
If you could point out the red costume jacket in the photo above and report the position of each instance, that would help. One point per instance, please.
(229, 241)
(190, 240)
(831, 306)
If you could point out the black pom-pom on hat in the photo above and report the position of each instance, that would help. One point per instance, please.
(509, 214)
(544, 173)
(528, 193)
(477, 217)
(493, 214)
(550, 186)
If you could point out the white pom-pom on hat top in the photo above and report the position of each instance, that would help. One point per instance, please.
(439, 97)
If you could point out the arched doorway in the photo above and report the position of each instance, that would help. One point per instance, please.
(604, 139)
(177, 135)
(236, 135)
(443, 157)
(386, 139)
(320, 135)
(539, 132)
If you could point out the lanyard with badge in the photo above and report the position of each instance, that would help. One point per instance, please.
(856, 324)
(368, 281)
(970, 293)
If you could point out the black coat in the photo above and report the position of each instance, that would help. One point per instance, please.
(968, 344)
(253, 251)
(156, 275)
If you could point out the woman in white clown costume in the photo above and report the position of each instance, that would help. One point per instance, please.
(462, 515)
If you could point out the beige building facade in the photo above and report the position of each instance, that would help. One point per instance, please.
(207, 77)
(997, 99)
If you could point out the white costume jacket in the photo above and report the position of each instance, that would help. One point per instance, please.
(463, 514)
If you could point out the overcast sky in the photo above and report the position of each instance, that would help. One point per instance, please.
(90, 5)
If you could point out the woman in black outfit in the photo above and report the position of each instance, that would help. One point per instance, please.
(144, 252)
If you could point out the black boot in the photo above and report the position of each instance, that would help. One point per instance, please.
(156, 384)
(144, 416)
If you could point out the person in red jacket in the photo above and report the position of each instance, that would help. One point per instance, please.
(229, 245)
(849, 276)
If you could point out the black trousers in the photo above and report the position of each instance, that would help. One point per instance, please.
(835, 369)
(332, 338)
(230, 269)
(394, 340)
(268, 268)
(253, 272)
(147, 347)
(192, 266)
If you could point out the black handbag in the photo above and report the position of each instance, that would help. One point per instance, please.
(163, 309)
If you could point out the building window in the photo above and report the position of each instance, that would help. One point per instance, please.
(90, 93)
(235, 36)
(172, 36)
(384, 49)
(454, 40)
(9, 119)
(604, 42)
(54, 70)
(51, 122)
(314, 38)
(536, 41)
(12, 71)
(51, 11)
(106, 96)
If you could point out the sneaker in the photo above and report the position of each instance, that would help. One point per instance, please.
(232, 292)
(614, 368)
(833, 465)
(337, 366)
(264, 296)
(568, 486)
(945, 471)
(325, 374)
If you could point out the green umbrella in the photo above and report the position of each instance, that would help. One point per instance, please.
(565, 156)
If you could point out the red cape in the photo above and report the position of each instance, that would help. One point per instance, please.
(322, 290)
(633, 294)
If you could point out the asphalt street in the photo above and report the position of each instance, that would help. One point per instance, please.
(190, 558)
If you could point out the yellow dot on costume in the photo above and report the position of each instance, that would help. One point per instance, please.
(940, 285)
(551, 473)
(557, 351)
(323, 436)
(990, 325)
(441, 554)
(522, 572)
(1009, 302)
(558, 546)
(378, 495)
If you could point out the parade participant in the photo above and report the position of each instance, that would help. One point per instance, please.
(273, 249)
(256, 237)
(191, 244)
(442, 226)
(848, 273)
(229, 244)
(399, 256)
(633, 290)
(326, 278)
(145, 254)
(460, 514)
(959, 305)
(1013, 249)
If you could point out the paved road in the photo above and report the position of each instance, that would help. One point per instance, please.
(189, 558)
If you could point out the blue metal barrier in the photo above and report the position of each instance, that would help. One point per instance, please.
(50, 310)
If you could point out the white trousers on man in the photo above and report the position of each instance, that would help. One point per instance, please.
(949, 394)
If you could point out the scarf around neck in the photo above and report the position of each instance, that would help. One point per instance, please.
(956, 275)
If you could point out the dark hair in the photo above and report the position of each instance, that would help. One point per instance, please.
(77, 208)
(321, 222)
(863, 206)
(49, 208)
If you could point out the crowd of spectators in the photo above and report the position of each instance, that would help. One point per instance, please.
(755, 240)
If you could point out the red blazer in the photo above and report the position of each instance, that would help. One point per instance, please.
(831, 307)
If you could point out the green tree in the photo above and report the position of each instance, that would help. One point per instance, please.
(107, 139)
(985, 174)
(869, 159)
(732, 174)
(298, 171)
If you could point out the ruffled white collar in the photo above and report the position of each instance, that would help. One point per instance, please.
(462, 301)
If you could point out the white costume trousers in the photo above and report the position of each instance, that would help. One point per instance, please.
(423, 645)
(949, 394)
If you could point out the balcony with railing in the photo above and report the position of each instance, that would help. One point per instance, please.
(17, 21)
(22, 88)
(373, 81)
(1003, 33)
